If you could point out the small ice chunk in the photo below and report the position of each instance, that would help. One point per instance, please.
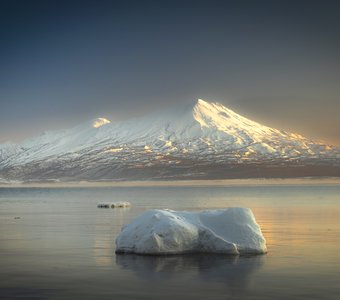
(120, 204)
(103, 205)
(114, 204)
(229, 231)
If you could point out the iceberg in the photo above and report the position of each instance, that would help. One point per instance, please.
(114, 205)
(159, 232)
(120, 204)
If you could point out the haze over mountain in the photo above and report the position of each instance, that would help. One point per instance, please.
(196, 140)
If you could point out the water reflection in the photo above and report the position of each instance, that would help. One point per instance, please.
(104, 239)
(233, 271)
(103, 252)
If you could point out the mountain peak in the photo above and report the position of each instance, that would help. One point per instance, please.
(200, 137)
(212, 106)
(201, 101)
(209, 113)
(99, 122)
(216, 116)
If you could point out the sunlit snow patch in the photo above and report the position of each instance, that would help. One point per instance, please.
(100, 122)
(113, 150)
(227, 231)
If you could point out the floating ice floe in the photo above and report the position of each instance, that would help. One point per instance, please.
(229, 231)
(103, 205)
(120, 204)
(114, 205)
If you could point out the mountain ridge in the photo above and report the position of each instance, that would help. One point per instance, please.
(169, 143)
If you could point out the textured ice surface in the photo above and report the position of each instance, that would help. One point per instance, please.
(230, 231)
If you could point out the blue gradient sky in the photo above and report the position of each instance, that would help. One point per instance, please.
(65, 62)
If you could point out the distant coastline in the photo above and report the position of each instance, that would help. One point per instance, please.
(155, 183)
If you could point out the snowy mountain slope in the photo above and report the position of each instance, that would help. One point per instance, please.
(198, 133)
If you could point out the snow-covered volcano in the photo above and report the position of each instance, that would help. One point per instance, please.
(188, 141)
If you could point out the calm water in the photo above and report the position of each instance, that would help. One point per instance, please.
(56, 244)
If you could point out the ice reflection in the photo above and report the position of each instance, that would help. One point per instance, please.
(233, 271)
(104, 239)
(103, 252)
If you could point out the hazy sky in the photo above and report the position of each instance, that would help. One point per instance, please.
(66, 62)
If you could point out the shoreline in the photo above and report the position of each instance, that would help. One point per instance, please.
(160, 183)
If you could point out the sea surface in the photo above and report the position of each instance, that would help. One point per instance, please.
(56, 244)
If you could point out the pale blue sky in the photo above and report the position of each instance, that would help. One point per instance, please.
(65, 62)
